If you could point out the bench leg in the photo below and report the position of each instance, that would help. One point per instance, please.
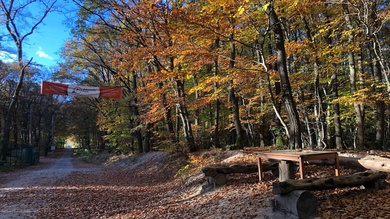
(337, 165)
(259, 169)
(301, 170)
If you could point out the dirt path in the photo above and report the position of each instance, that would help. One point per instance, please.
(25, 192)
(142, 186)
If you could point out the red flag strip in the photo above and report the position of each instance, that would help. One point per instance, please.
(81, 91)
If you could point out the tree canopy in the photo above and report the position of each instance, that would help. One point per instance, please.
(201, 74)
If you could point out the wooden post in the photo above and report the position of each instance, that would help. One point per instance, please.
(286, 170)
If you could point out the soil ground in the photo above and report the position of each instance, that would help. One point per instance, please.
(159, 185)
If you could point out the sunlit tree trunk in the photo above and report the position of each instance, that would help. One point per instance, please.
(292, 113)
(182, 110)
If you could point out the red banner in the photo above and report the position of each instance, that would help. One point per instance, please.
(81, 91)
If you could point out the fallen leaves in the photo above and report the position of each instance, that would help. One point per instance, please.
(152, 191)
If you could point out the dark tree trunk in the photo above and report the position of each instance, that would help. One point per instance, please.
(321, 126)
(380, 110)
(234, 99)
(334, 136)
(217, 106)
(147, 139)
(337, 115)
(380, 104)
(183, 113)
(236, 117)
(292, 113)
(135, 110)
(359, 109)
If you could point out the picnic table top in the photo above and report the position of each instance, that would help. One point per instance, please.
(298, 155)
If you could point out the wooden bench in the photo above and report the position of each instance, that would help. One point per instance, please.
(293, 196)
(287, 156)
(368, 179)
(219, 172)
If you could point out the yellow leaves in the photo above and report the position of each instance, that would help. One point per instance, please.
(199, 87)
(364, 96)
(293, 6)
(218, 10)
(240, 10)
(205, 85)
(265, 7)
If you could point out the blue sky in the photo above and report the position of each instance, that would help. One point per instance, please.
(45, 44)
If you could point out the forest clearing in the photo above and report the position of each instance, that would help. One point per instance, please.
(159, 185)
(151, 92)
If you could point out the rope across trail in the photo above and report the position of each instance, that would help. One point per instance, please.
(36, 182)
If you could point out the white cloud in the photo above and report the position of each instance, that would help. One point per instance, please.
(42, 54)
(7, 57)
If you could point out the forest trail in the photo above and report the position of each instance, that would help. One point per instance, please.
(158, 184)
(132, 186)
(36, 181)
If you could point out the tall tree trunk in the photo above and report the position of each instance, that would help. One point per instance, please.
(377, 72)
(359, 109)
(167, 116)
(380, 108)
(233, 98)
(147, 139)
(135, 110)
(173, 133)
(276, 105)
(310, 140)
(321, 123)
(292, 113)
(183, 113)
(182, 110)
(338, 140)
(197, 96)
(217, 105)
(11, 107)
(50, 133)
(319, 112)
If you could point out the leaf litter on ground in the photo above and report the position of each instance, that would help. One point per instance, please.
(161, 185)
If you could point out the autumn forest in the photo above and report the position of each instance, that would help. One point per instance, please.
(199, 74)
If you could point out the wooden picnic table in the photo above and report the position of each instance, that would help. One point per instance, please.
(299, 156)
